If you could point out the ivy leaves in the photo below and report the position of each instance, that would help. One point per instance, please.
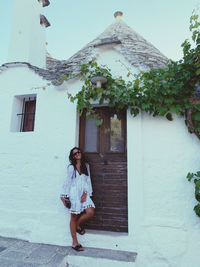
(159, 92)
(196, 178)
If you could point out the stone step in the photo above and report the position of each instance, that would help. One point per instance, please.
(99, 258)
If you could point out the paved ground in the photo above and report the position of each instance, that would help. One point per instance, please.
(20, 253)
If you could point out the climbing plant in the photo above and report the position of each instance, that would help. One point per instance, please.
(196, 178)
(174, 89)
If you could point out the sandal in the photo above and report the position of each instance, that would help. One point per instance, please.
(81, 231)
(77, 247)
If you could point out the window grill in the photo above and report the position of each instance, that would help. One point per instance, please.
(28, 115)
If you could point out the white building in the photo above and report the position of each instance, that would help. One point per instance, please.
(143, 201)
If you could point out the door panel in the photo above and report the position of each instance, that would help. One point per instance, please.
(91, 136)
(105, 149)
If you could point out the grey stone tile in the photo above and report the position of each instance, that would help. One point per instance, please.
(56, 260)
(7, 238)
(14, 255)
(106, 254)
(25, 247)
(47, 246)
(24, 264)
(42, 254)
(70, 265)
(63, 250)
(2, 249)
(8, 263)
(7, 242)
(19, 243)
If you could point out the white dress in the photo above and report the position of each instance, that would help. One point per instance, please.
(74, 187)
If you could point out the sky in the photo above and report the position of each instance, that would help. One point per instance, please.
(75, 23)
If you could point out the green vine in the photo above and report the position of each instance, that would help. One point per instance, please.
(159, 92)
(196, 177)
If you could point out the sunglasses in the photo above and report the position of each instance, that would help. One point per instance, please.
(78, 152)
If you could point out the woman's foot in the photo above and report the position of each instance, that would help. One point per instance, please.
(80, 230)
(78, 247)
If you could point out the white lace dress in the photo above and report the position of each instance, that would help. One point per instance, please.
(74, 187)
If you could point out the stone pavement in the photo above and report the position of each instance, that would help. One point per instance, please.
(19, 253)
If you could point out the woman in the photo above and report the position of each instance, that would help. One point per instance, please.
(78, 189)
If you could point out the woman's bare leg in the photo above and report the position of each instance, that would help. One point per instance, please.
(73, 223)
(89, 213)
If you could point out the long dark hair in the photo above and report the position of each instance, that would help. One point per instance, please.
(83, 161)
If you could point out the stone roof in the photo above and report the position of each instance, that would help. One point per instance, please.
(138, 52)
(49, 75)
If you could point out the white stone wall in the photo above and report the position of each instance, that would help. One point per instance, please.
(161, 200)
(27, 43)
(163, 228)
(32, 164)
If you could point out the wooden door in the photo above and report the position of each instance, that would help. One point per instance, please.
(105, 149)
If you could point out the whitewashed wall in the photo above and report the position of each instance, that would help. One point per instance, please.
(163, 224)
(27, 41)
(32, 164)
(163, 228)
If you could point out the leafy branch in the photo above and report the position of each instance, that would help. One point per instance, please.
(196, 178)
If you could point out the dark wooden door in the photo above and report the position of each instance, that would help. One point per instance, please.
(105, 149)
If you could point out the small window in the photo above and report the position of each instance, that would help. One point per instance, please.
(28, 115)
(23, 115)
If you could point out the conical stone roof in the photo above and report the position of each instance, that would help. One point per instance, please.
(138, 51)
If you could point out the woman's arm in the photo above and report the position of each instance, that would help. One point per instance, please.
(67, 183)
(88, 185)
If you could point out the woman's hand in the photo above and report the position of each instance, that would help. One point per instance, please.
(83, 197)
(63, 200)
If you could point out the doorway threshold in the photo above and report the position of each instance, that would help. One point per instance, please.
(100, 257)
